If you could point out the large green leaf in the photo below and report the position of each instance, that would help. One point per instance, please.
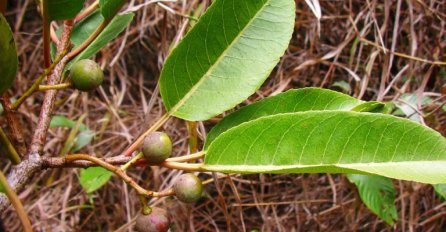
(83, 29)
(306, 99)
(110, 7)
(8, 56)
(92, 178)
(378, 194)
(334, 142)
(64, 9)
(225, 57)
(116, 26)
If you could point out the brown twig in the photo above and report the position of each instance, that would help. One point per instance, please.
(20, 174)
(50, 95)
(127, 179)
(15, 201)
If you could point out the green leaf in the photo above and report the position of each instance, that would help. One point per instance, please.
(116, 26)
(8, 56)
(110, 7)
(2, 188)
(306, 99)
(378, 194)
(62, 121)
(333, 142)
(93, 178)
(64, 9)
(83, 29)
(83, 139)
(371, 106)
(225, 57)
(440, 189)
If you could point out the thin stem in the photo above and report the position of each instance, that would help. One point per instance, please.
(23, 216)
(140, 190)
(46, 34)
(132, 161)
(186, 158)
(138, 141)
(165, 193)
(35, 85)
(146, 209)
(9, 148)
(87, 11)
(182, 166)
(95, 34)
(52, 87)
(193, 136)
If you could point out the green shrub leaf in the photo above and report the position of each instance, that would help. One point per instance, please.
(64, 9)
(378, 194)
(333, 142)
(440, 189)
(8, 56)
(306, 99)
(116, 26)
(110, 7)
(225, 57)
(94, 178)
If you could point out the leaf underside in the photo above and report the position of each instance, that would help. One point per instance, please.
(378, 194)
(296, 100)
(334, 142)
(225, 57)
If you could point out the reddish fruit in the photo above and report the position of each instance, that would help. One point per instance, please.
(157, 147)
(188, 188)
(155, 221)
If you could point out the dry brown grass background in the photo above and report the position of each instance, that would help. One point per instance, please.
(393, 47)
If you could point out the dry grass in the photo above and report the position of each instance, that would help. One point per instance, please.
(391, 47)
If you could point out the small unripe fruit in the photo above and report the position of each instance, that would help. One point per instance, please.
(157, 147)
(156, 221)
(188, 188)
(86, 75)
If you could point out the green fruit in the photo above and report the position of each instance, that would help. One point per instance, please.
(155, 221)
(157, 147)
(188, 188)
(86, 75)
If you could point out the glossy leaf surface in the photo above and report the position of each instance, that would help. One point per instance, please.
(226, 56)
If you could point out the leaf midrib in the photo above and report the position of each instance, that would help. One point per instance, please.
(211, 69)
(295, 166)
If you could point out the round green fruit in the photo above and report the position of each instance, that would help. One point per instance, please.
(188, 188)
(86, 75)
(155, 221)
(157, 147)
